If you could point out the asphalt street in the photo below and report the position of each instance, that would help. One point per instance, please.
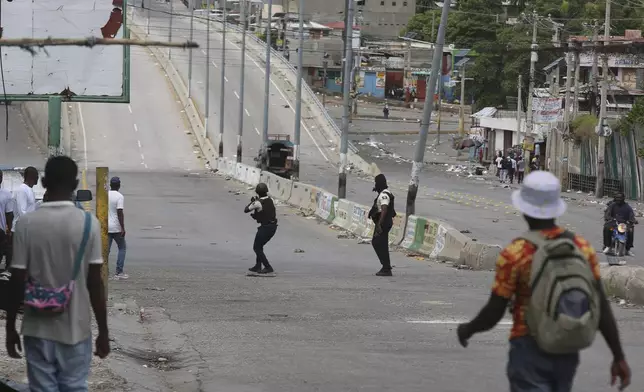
(324, 323)
(19, 149)
(315, 162)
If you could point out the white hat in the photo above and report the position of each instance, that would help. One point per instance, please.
(539, 196)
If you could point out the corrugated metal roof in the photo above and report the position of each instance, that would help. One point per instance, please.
(485, 112)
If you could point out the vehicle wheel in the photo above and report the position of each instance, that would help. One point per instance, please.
(620, 249)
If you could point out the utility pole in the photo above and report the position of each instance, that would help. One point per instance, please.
(461, 120)
(594, 71)
(298, 95)
(147, 23)
(222, 82)
(407, 71)
(575, 107)
(601, 144)
(207, 114)
(192, 21)
(566, 128)
(356, 77)
(533, 62)
(240, 130)
(267, 87)
(325, 65)
(427, 113)
(102, 213)
(170, 30)
(519, 112)
(346, 88)
(439, 106)
(553, 137)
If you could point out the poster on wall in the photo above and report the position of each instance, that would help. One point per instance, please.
(360, 79)
(547, 110)
(338, 81)
(380, 80)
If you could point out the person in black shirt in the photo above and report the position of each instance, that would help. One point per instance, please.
(382, 213)
(262, 209)
(618, 210)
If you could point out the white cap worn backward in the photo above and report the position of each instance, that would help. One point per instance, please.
(540, 196)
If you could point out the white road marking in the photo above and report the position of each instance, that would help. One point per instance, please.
(257, 130)
(237, 95)
(136, 129)
(129, 107)
(139, 143)
(451, 322)
(248, 114)
(82, 123)
(142, 157)
(215, 64)
(233, 44)
(204, 52)
(226, 79)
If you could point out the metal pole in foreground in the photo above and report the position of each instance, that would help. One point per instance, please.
(222, 104)
(170, 30)
(243, 4)
(298, 97)
(54, 107)
(427, 112)
(346, 88)
(267, 86)
(147, 23)
(192, 21)
(533, 63)
(207, 114)
(102, 202)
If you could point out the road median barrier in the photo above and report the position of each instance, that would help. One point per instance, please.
(304, 196)
(325, 209)
(343, 209)
(247, 174)
(625, 282)
(278, 187)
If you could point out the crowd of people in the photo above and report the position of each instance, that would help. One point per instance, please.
(510, 167)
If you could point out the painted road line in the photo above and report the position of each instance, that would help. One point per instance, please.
(248, 114)
(84, 132)
(451, 322)
(237, 95)
(129, 107)
(136, 129)
(226, 79)
(257, 130)
(215, 64)
(204, 52)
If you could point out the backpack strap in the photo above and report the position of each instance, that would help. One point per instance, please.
(80, 255)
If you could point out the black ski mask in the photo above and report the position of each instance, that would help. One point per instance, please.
(381, 183)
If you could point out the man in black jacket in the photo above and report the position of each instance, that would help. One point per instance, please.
(263, 211)
(382, 213)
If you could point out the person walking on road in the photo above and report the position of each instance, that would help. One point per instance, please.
(548, 331)
(505, 168)
(382, 213)
(520, 170)
(262, 209)
(24, 202)
(116, 226)
(513, 169)
(6, 221)
(498, 160)
(56, 270)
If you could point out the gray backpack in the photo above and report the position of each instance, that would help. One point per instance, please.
(564, 308)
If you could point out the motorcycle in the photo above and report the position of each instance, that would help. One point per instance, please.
(619, 238)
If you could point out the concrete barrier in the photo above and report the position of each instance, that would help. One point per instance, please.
(455, 242)
(624, 282)
(397, 232)
(304, 196)
(343, 209)
(413, 236)
(247, 174)
(360, 223)
(325, 205)
(278, 187)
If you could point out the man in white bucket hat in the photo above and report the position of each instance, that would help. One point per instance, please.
(558, 303)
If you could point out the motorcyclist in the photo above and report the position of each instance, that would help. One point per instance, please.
(618, 211)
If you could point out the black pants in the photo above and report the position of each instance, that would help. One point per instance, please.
(608, 236)
(5, 248)
(380, 243)
(520, 177)
(264, 234)
(511, 175)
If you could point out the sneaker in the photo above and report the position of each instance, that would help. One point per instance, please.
(267, 270)
(630, 253)
(606, 250)
(6, 275)
(255, 269)
(384, 272)
(121, 276)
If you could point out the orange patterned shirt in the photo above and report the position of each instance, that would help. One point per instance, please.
(513, 275)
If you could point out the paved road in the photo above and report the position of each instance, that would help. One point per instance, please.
(325, 323)
(19, 150)
(315, 163)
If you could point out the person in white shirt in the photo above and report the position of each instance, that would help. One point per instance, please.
(6, 221)
(116, 225)
(498, 161)
(24, 199)
(513, 169)
(382, 214)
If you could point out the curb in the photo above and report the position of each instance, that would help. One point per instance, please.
(625, 282)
